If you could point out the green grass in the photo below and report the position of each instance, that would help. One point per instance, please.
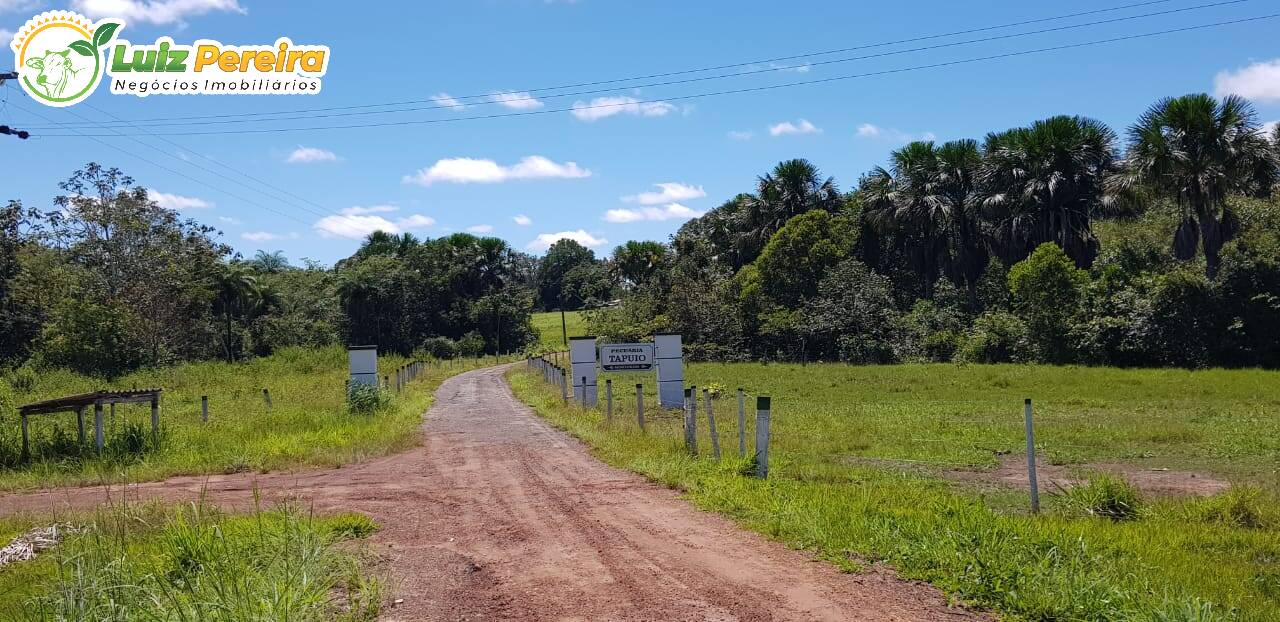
(307, 425)
(856, 477)
(550, 333)
(192, 562)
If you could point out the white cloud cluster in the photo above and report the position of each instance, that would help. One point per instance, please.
(177, 202)
(873, 131)
(358, 222)
(545, 240)
(522, 220)
(515, 100)
(447, 100)
(603, 107)
(669, 192)
(741, 135)
(310, 155)
(478, 171)
(480, 228)
(1259, 82)
(671, 211)
(801, 126)
(160, 12)
(267, 236)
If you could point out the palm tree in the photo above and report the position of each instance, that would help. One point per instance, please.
(1044, 183)
(269, 263)
(792, 188)
(1198, 151)
(930, 195)
(237, 292)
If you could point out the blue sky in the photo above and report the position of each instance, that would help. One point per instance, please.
(603, 178)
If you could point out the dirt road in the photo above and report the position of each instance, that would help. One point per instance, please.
(498, 516)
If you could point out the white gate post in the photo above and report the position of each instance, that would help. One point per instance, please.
(363, 364)
(669, 355)
(582, 363)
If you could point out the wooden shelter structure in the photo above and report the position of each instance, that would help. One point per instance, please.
(79, 403)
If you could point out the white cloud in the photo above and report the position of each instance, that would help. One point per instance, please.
(670, 192)
(227, 220)
(480, 228)
(375, 209)
(602, 107)
(267, 236)
(177, 202)
(545, 240)
(476, 171)
(802, 126)
(158, 12)
(9, 6)
(516, 100)
(446, 100)
(741, 135)
(522, 220)
(672, 211)
(360, 223)
(873, 131)
(309, 155)
(1259, 82)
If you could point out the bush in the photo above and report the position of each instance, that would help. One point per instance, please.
(1242, 506)
(1047, 289)
(996, 337)
(1105, 495)
(365, 399)
(471, 345)
(439, 348)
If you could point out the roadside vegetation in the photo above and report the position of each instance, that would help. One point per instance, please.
(551, 332)
(192, 562)
(863, 458)
(309, 422)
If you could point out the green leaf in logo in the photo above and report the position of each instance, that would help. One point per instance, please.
(82, 48)
(103, 34)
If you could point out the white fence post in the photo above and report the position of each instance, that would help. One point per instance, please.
(763, 416)
(1031, 456)
(711, 424)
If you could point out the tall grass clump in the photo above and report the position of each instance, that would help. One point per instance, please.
(195, 563)
(1105, 495)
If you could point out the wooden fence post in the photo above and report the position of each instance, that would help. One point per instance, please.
(608, 400)
(99, 439)
(80, 423)
(691, 420)
(204, 408)
(1031, 456)
(155, 419)
(266, 397)
(26, 440)
(742, 424)
(763, 416)
(711, 424)
(640, 406)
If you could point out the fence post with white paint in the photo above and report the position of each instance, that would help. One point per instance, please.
(690, 420)
(711, 424)
(763, 416)
(1031, 456)
(640, 406)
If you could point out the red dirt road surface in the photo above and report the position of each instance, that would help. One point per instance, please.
(498, 516)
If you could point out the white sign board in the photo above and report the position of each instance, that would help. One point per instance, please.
(627, 357)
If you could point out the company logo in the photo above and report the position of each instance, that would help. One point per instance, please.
(59, 56)
(62, 57)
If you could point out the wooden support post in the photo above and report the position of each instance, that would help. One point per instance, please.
(26, 440)
(266, 397)
(640, 406)
(155, 419)
(204, 408)
(763, 416)
(80, 424)
(711, 424)
(1031, 456)
(742, 424)
(608, 399)
(691, 420)
(584, 393)
(99, 438)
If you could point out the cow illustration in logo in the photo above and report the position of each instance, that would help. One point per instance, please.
(59, 56)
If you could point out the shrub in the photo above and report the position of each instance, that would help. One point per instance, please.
(1046, 289)
(471, 344)
(350, 526)
(1106, 495)
(1242, 506)
(440, 348)
(365, 399)
(996, 337)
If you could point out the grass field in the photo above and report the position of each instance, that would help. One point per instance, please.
(550, 331)
(307, 424)
(860, 456)
(190, 562)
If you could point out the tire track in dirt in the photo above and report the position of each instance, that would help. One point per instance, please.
(499, 516)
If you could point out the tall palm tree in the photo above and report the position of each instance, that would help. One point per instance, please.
(237, 292)
(1198, 151)
(792, 188)
(1045, 183)
(270, 263)
(929, 194)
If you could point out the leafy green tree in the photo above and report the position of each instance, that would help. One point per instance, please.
(792, 188)
(561, 258)
(852, 318)
(269, 263)
(1047, 289)
(1199, 151)
(1045, 183)
(639, 263)
(238, 295)
(20, 319)
(800, 253)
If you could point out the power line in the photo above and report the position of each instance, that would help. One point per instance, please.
(247, 117)
(754, 89)
(166, 168)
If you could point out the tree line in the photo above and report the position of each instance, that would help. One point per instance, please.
(106, 281)
(1055, 242)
